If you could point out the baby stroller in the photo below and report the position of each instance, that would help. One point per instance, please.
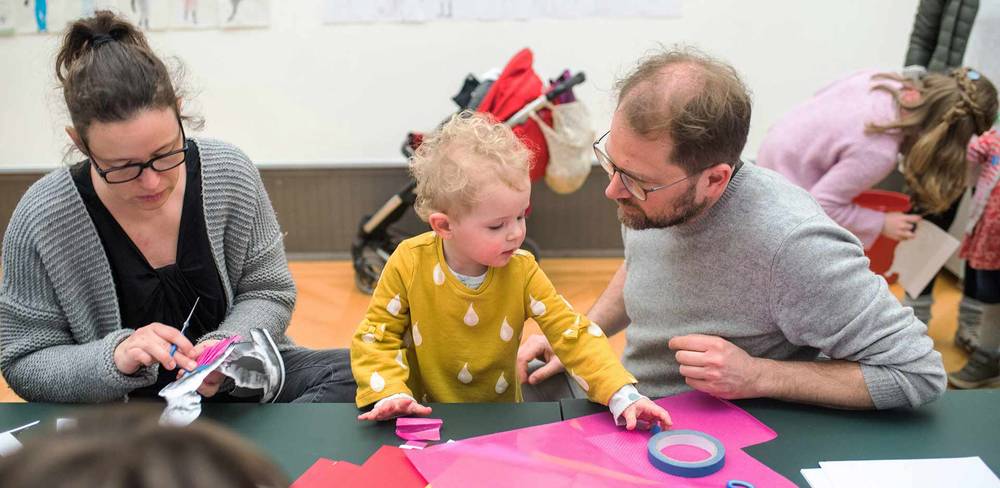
(517, 98)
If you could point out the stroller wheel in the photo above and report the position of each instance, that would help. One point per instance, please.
(368, 262)
(530, 246)
(364, 284)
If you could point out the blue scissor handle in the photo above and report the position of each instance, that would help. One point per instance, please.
(738, 484)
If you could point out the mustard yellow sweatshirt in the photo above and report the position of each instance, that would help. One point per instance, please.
(428, 335)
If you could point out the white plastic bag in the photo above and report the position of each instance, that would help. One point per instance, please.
(569, 141)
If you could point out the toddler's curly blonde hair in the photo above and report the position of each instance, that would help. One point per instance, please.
(453, 165)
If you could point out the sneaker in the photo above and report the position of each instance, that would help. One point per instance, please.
(967, 337)
(256, 368)
(970, 312)
(982, 370)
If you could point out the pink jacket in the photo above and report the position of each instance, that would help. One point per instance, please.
(821, 145)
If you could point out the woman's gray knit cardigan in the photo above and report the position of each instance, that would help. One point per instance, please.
(59, 320)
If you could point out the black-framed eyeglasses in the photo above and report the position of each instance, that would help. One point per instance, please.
(628, 181)
(129, 172)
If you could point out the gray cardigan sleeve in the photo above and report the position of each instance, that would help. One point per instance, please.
(263, 290)
(39, 356)
(823, 295)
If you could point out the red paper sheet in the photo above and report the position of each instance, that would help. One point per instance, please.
(390, 467)
(325, 473)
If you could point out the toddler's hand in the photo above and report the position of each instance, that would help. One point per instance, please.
(982, 147)
(399, 407)
(900, 226)
(648, 412)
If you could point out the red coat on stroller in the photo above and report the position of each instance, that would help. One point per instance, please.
(517, 86)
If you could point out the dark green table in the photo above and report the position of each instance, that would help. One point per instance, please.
(295, 435)
(959, 424)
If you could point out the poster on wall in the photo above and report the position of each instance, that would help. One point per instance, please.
(236, 14)
(6, 17)
(52, 16)
(146, 14)
(194, 14)
(370, 11)
(564, 9)
(31, 16)
(75, 9)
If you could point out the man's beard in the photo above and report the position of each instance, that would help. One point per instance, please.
(686, 209)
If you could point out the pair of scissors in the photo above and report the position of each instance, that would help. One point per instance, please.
(173, 347)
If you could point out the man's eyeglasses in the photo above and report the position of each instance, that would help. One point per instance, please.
(129, 172)
(629, 182)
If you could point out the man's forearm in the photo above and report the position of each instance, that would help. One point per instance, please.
(609, 309)
(837, 384)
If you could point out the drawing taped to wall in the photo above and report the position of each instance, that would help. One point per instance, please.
(244, 13)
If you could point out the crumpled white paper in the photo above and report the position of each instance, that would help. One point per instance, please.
(183, 400)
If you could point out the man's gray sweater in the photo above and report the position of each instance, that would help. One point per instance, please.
(766, 269)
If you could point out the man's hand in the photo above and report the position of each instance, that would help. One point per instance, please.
(399, 407)
(537, 346)
(715, 366)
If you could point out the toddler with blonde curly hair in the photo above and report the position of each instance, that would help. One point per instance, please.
(445, 321)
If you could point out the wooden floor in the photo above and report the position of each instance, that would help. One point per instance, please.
(329, 306)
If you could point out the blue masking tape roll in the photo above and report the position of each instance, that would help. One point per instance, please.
(687, 469)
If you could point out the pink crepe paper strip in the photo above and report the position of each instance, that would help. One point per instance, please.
(419, 429)
(213, 352)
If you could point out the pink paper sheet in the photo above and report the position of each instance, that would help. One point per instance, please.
(419, 429)
(413, 445)
(591, 451)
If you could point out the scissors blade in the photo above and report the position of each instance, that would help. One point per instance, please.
(188, 320)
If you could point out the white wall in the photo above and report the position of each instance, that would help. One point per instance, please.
(302, 92)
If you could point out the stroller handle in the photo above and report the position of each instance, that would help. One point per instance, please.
(538, 103)
(565, 85)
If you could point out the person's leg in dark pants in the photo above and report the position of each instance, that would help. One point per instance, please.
(969, 309)
(922, 304)
(983, 367)
(317, 376)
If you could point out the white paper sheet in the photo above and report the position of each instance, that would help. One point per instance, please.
(969, 472)
(183, 400)
(65, 423)
(816, 478)
(919, 259)
(8, 444)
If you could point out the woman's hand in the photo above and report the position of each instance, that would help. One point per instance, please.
(210, 385)
(151, 344)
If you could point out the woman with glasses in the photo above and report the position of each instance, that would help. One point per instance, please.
(104, 261)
